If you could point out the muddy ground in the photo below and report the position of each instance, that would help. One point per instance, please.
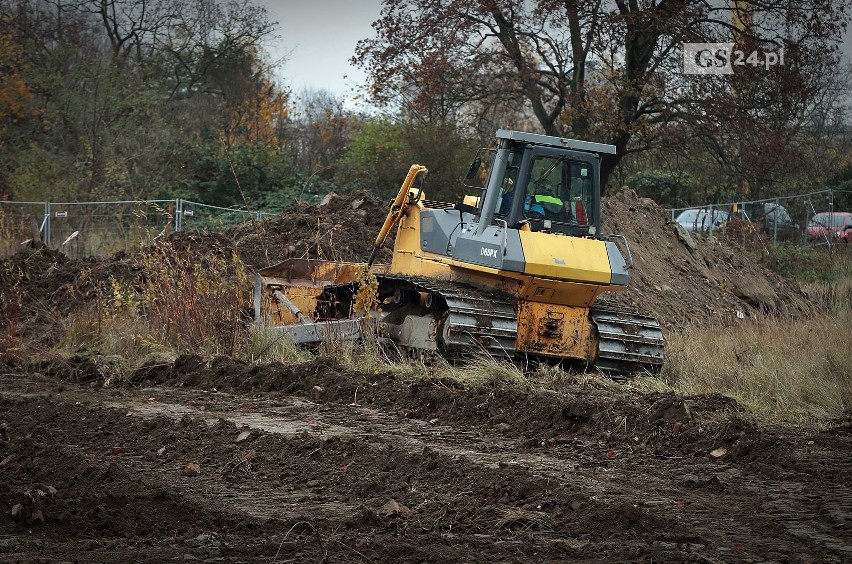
(218, 460)
(222, 461)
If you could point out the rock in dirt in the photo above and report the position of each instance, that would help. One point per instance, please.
(37, 517)
(43, 490)
(393, 508)
(719, 452)
(242, 436)
(191, 469)
(686, 238)
(672, 409)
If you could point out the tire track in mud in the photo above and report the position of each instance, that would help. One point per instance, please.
(605, 485)
(337, 464)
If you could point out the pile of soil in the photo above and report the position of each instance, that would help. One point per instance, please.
(38, 288)
(343, 229)
(688, 280)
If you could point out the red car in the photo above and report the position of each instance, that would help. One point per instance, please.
(831, 226)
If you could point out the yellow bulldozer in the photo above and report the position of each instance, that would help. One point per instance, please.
(513, 270)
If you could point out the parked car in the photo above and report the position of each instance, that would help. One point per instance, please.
(833, 226)
(773, 219)
(702, 220)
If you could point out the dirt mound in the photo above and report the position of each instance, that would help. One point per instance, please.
(685, 279)
(343, 229)
(39, 287)
(693, 425)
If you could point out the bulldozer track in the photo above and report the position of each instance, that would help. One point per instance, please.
(475, 320)
(487, 320)
(627, 341)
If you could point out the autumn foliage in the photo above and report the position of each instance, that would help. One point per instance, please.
(15, 93)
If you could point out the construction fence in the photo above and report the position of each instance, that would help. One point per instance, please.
(783, 219)
(103, 228)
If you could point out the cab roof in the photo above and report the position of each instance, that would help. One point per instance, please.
(551, 141)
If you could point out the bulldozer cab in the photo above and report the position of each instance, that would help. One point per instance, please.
(542, 183)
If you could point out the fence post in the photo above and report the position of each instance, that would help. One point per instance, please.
(808, 205)
(775, 217)
(178, 214)
(46, 234)
(712, 220)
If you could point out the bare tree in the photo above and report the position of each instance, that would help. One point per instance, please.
(609, 70)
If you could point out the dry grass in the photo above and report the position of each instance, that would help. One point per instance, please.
(265, 345)
(785, 371)
(793, 372)
(184, 305)
(484, 368)
(834, 297)
(11, 304)
(125, 340)
(369, 355)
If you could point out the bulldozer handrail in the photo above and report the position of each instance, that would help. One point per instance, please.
(626, 248)
(397, 209)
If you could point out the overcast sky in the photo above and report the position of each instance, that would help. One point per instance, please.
(317, 39)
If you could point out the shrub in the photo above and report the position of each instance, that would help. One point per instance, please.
(804, 263)
(195, 304)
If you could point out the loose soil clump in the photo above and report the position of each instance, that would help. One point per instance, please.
(343, 229)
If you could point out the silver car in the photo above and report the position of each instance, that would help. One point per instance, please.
(702, 220)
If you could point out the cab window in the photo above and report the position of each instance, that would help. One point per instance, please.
(560, 190)
(509, 183)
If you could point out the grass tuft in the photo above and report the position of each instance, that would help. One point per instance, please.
(370, 355)
(126, 339)
(486, 368)
(265, 345)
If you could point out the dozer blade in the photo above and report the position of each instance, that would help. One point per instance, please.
(310, 333)
(285, 297)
